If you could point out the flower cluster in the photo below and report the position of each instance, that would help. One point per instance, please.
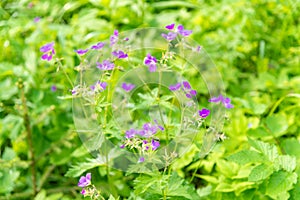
(186, 87)
(173, 34)
(88, 189)
(93, 89)
(143, 139)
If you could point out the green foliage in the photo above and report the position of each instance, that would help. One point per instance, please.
(255, 46)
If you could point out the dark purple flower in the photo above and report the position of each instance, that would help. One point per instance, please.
(81, 51)
(98, 46)
(182, 31)
(85, 180)
(155, 144)
(130, 133)
(114, 38)
(204, 113)
(141, 159)
(119, 54)
(105, 65)
(122, 146)
(53, 88)
(36, 19)
(128, 86)
(126, 39)
(186, 85)
(48, 50)
(83, 191)
(170, 27)
(175, 87)
(191, 93)
(198, 48)
(150, 61)
(170, 36)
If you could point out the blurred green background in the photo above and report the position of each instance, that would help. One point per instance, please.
(255, 44)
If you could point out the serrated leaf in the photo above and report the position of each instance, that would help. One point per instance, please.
(279, 183)
(79, 169)
(246, 156)
(285, 162)
(260, 173)
(266, 149)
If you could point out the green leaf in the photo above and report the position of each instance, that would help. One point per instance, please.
(285, 162)
(246, 156)
(266, 149)
(277, 124)
(291, 146)
(260, 173)
(79, 169)
(7, 180)
(279, 183)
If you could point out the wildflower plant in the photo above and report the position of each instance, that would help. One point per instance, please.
(134, 108)
(133, 100)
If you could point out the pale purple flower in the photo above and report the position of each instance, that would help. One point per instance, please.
(128, 86)
(141, 159)
(225, 101)
(191, 93)
(105, 65)
(170, 36)
(48, 50)
(182, 31)
(53, 88)
(204, 112)
(81, 51)
(36, 19)
(175, 87)
(114, 38)
(148, 130)
(85, 180)
(150, 61)
(119, 54)
(98, 46)
(155, 144)
(98, 86)
(130, 133)
(170, 26)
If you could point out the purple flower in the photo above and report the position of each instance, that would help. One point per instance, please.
(186, 85)
(81, 51)
(204, 113)
(122, 146)
(85, 180)
(155, 144)
(98, 46)
(225, 101)
(150, 61)
(114, 38)
(170, 27)
(148, 130)
(105, 65)
(159, 126)
(119, 54)
(130, 133)
(141, 159)
(128, 86)
(36, 19)
(191, 93)
(182, 31)
(83, 191)
(48, 50)
(175, 87)
(170, 36)
(98, 86)
(53, 88)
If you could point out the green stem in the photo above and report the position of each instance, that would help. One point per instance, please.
(29, 136)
